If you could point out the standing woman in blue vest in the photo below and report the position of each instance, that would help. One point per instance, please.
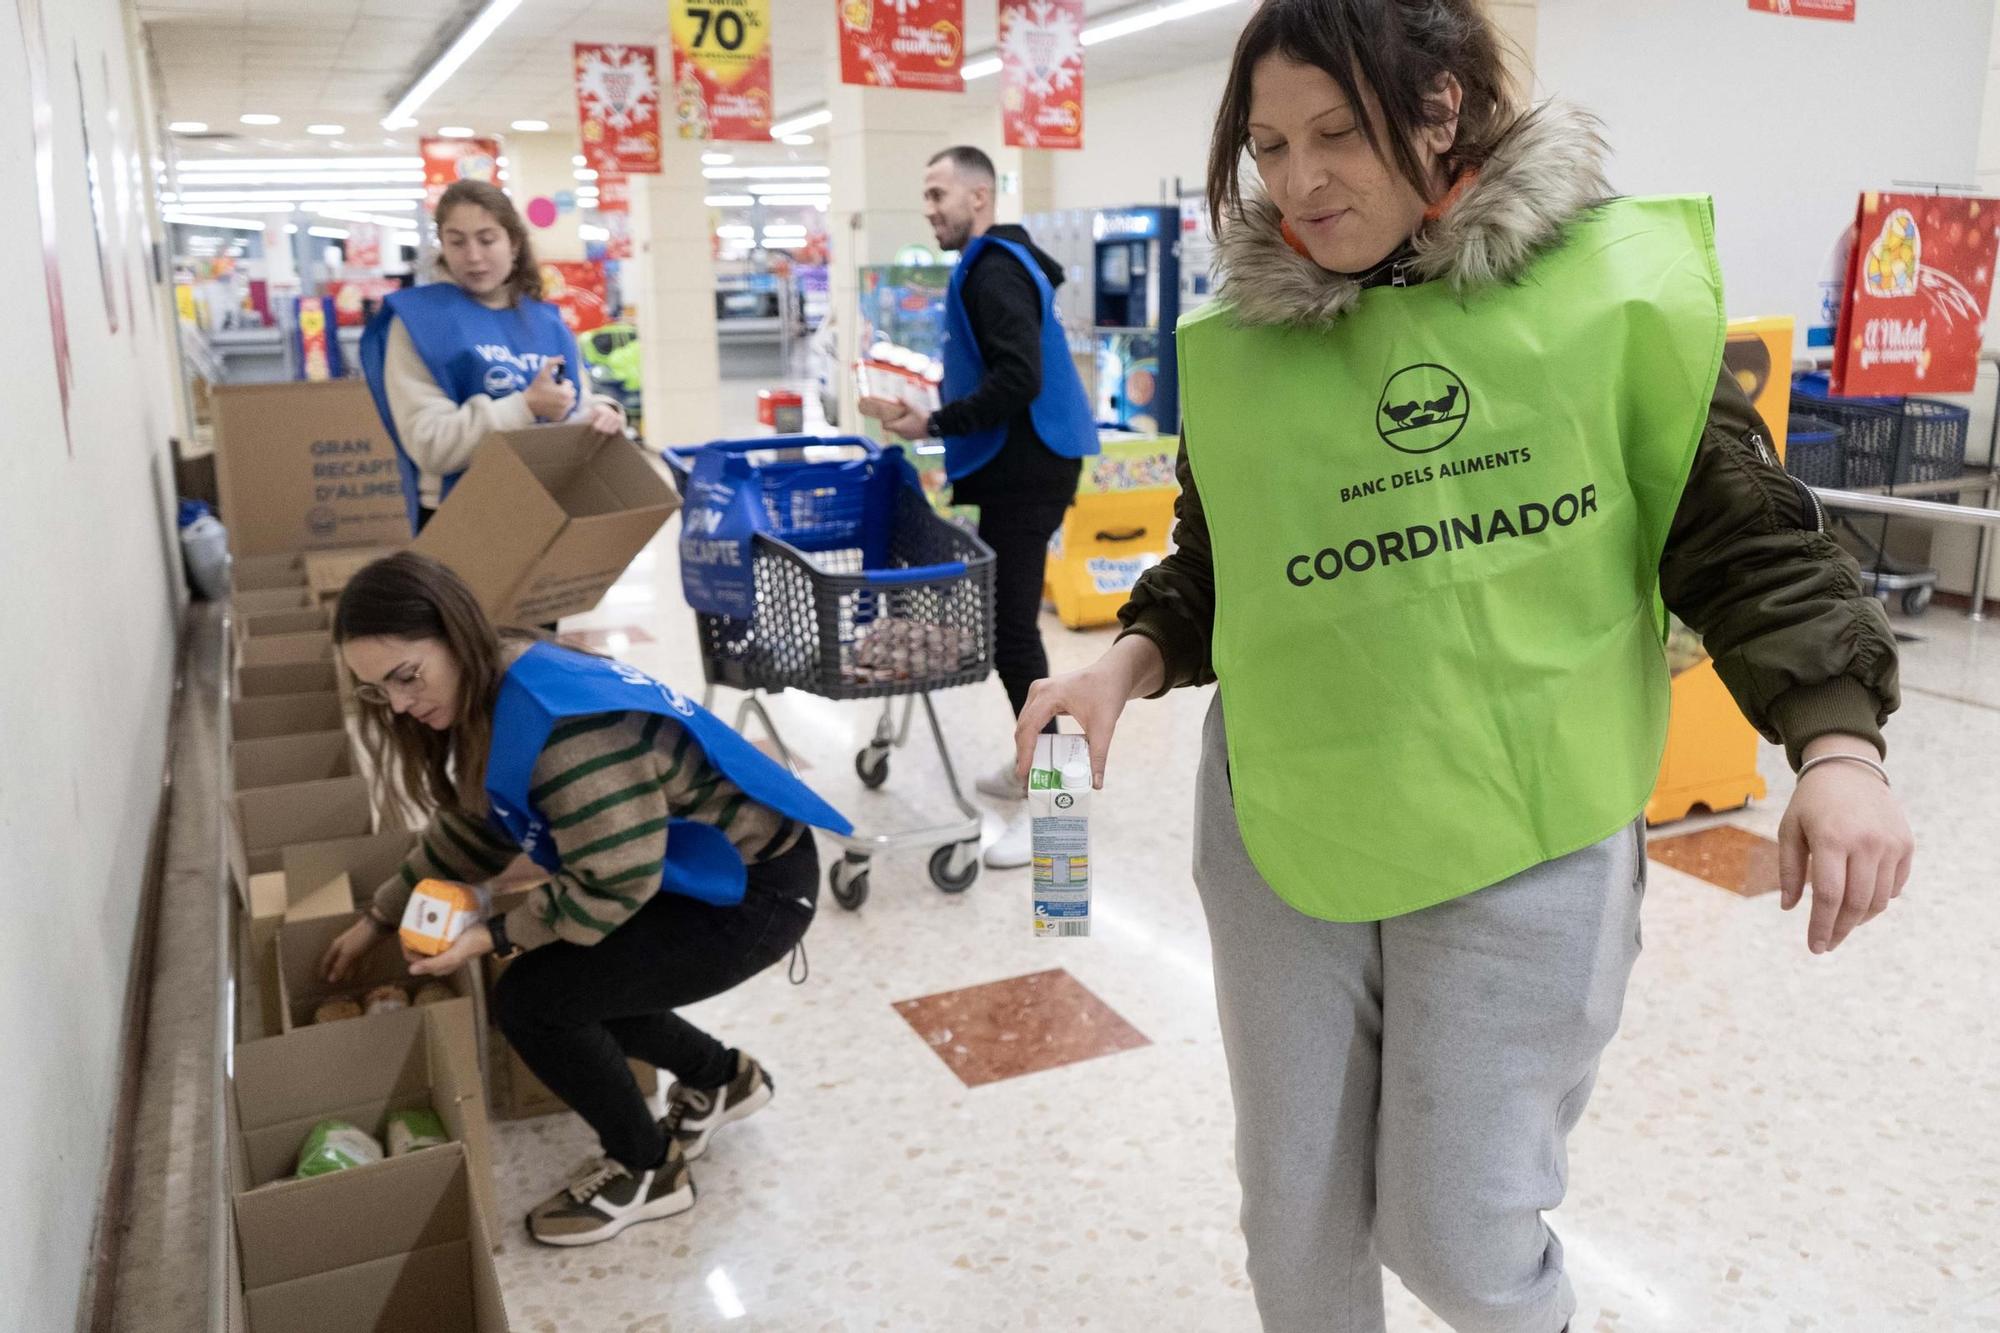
(1015, 423)
(681, 863)
(476, 352)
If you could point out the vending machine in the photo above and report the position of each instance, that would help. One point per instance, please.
(1137, 295)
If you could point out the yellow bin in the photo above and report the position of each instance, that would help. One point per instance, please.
(1108, 539)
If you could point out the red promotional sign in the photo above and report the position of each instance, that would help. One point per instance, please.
(447, 161)
(1840, 11)
(917, 44)
(614, 210)
(1041, 73)
(618, 106)
(722, 68)
(1918, 287)
(576, 287)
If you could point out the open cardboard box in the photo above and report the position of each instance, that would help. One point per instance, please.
(398, 1247)
(304, 466)
(269, 819)
(311, 646)
(260, 682)
(278, 761)
(546, 519)
(256, 572)
(293, 620)
(247, 603)
(359, 1071)
(301, 988)
(271, 906)
(284, 715)
(327, 572)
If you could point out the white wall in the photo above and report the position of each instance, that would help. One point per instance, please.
(1785, 121)
(87, 639)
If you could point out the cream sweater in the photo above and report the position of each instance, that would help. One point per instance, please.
(439, 434)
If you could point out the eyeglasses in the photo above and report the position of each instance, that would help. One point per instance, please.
(371, 693)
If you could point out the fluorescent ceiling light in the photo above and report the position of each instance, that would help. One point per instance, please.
(529, 126)
(301, 196)
(1126, 25)
(586, 232)
(984, 67)
(797, 140)
(584, 174)
(579, 161)
(236, 179)
(729, 201)
(765, 173)
(361, 215)
(788, 187)
(187, 127)
(326, 131)
(810, 120)
(259, 118)
(784, 242)
(735, 230)
(712, 159)
(791, 229)
(455, 131)
(469, 40)
(399, 122)
(263, 164)
(327, 233)
(203, 220)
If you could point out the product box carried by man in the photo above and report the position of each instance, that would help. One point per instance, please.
(546, 519)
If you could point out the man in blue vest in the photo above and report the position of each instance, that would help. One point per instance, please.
(1016, 423)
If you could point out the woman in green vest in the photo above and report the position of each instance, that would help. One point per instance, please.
(1456, 434)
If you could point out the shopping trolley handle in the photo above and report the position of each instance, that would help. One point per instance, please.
(890, 578)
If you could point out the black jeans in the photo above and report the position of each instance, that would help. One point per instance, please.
(1019, 535)
(574, 1013)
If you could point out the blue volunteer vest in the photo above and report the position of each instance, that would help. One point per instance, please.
(469, 350)
(547, 684)
(1061, 411)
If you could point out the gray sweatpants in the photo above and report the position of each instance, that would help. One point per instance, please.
(1404, 1088)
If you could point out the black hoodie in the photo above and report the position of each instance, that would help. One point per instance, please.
(1005, 311)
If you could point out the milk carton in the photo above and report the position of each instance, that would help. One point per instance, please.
(1059, 804)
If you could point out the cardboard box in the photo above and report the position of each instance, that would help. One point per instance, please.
(301, 988)
(546, 519)
(270, 907)
(266, 601)
(278, 761)
(284, 715)
(250, 571)
(359, 1071)
(304, 466)
(269, 819)
(296, 620)
(512, 1090)
(257, 682)
(399, 1247)
(285, 649)
(327, 572)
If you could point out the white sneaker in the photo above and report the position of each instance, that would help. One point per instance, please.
(1014, 848)
(1001, 786)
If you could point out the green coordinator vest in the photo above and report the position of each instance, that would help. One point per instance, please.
(1437, 525)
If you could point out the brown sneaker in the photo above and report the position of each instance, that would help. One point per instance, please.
(694, 1114)
(606, 1198)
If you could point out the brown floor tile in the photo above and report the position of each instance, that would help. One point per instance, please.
(1019, 1026)
(1729, 857)
(599, 640)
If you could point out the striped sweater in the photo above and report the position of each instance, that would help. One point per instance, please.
(607, 783)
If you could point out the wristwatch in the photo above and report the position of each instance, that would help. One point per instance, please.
(931, 427)
(496, 926)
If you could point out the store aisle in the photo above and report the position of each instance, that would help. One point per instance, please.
(1777, 1143)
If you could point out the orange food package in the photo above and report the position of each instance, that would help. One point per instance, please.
(437, 914)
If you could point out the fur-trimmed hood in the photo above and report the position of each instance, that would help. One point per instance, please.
(1548, 170)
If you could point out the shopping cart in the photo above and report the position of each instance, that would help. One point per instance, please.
(1883, 443)
(860, 592)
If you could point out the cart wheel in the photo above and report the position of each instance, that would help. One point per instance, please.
(1916, 599)
(872, 767)
(955, 866)
(849, 881)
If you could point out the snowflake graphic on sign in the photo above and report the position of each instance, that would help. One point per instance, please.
(1044, 43)
(615, 84)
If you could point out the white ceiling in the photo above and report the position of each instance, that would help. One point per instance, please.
(346, 61)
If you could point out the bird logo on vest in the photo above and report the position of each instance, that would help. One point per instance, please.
(501, 381)
(1423, 409)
